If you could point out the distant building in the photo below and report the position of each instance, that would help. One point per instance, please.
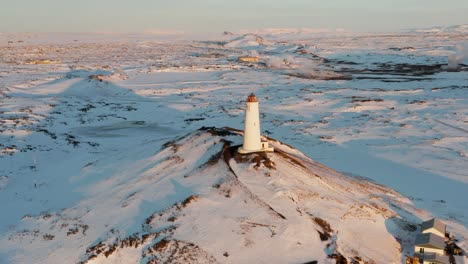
(433, 245)
(430, 243)
(42, 61)
(248, 59)
(434, 226)
(431, 258)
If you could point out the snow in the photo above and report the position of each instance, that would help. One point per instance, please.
(81, 143)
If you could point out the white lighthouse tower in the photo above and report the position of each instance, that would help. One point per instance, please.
(252, 140)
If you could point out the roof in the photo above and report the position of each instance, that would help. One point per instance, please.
(430, 240)
(252, 98)
(435, 258)
(433, 223)
(248, 59)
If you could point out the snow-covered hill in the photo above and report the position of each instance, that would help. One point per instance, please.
(198, 201)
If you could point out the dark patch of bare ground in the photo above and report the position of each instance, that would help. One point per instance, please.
(135, 240)
(259, 159)
(291, 159)
(325, 77)
(177, 251)
(194, 119)
(404, 70)
(209, 55)
(189, 200)
(340, 259)
(326, 231)
(361, 99)
(222, 132)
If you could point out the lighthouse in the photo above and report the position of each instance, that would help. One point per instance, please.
(252, 139)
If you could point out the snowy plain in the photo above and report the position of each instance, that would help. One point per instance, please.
(82, 115)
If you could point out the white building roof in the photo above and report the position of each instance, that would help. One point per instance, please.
(433, 223)
(430, 240)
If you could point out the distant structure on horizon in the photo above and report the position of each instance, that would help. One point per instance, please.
(252, 139)
(248, 59)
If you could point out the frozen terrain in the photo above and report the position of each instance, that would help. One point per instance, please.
(85, 164)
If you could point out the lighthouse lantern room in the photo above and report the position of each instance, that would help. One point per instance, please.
(252, 138)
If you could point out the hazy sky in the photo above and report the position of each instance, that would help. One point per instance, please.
(219, 15)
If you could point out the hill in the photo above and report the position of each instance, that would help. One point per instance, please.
(199, 201)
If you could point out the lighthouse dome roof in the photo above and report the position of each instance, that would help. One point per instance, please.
(252, 98)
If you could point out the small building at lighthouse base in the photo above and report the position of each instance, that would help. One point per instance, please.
(264, 148)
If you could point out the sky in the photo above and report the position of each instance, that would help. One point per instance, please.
(209, 16)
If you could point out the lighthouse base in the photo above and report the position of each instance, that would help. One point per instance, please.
(241, 150)
(265, 148)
